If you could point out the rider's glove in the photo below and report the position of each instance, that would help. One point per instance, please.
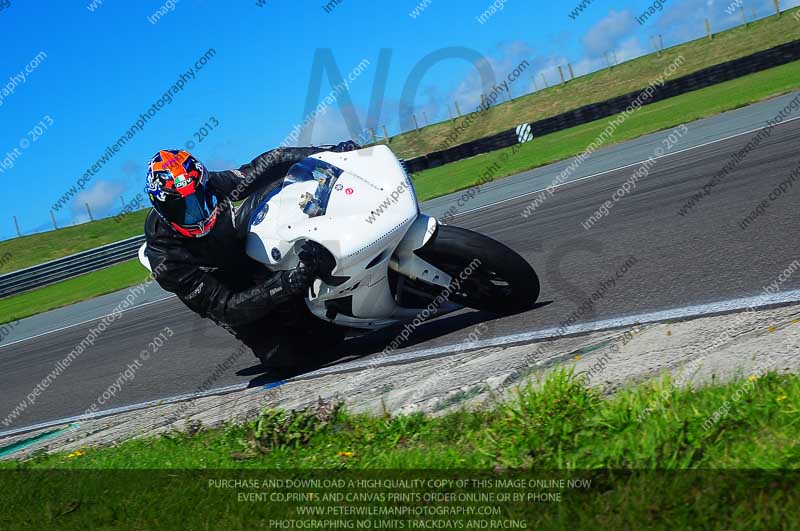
(314, 262)
(349, 145)
(298, 280)
(316, 258)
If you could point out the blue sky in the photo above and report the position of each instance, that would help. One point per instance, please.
(103, 68)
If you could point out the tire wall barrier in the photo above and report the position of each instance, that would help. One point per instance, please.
(780, 55)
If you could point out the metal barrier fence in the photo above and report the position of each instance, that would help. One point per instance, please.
(69, 266)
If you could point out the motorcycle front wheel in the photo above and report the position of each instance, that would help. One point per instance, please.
(487, 275)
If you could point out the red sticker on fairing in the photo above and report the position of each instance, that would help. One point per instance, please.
(349, 191)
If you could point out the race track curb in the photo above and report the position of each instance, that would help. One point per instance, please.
(695, 352)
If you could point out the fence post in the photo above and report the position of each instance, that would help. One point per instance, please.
(561, 73)
(385, 134)
(544, 79)
(708, 30)
(608, 62)
(122, 202)
(374, 137)
(660, 43)
(777, 7)
(535, 87)
(425, 116)
(416, 124)
(16, 224)
(89, 210)
(449, 112)
(53, 217)
(571, 73)
(458, 110)
(744, 17)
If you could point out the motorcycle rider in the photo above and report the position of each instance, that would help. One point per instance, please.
(196, 248)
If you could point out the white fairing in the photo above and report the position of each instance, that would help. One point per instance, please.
(143, 257)
(372, 221)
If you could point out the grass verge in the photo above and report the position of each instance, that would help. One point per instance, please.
(649, 119)
(627, 77)
(70, 291)
(38, 248)
(650, 453)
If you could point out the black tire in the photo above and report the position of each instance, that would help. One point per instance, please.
(503, 282)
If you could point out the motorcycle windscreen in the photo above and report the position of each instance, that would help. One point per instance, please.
(305, 194)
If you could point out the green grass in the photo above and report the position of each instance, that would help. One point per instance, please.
(43, 247)
(558, 425)
(627, 77)
(70, 291)
(651, 118)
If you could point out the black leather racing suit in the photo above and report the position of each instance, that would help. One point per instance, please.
(215, 278)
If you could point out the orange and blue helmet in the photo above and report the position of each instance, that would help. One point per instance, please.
(177, 185)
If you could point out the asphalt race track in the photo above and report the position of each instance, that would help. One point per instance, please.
(702, 257)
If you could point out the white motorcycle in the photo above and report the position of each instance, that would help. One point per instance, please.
(391, 263)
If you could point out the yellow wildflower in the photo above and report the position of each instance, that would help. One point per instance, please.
(76, 453)
(345, 454)
(781, 398)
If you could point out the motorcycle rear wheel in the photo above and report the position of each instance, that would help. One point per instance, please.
(487, 275)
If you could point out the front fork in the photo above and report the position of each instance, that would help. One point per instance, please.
(405, 262)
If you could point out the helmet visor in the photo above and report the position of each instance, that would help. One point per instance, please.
(192, 210)
(199, 207)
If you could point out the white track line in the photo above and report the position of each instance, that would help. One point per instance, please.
(619, 168)
(125, 409)
(685, 312)
(82, 323)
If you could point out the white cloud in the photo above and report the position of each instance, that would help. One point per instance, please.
(587, 65)
(549, 67)
(330, 127)
(630, 49)
(683, 20)
(683, 16)
(506, 57)
(608, 32)
(101, 197)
